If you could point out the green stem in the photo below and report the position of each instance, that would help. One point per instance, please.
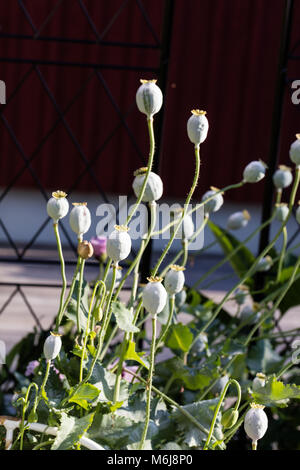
(282, 254)
(63, 275)
(119, 369)
(149, 384)
(82, 263)
(185, 209)
(24, 409)
(167, 326)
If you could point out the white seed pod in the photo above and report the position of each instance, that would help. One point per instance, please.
(264, 264)
(57, 206)
(282, 177)
(255, 423)
(282, 212)
(241, 295)
(220, 384)
(200, 344)
(298, 213)
(154, 186)
(80, 218)
(118, 244)
(197, 127)
(52, 346)
(255, 171)
(154, 296)
(214, 204)
(295, 151)
(186, 229)
(238, 220)
(149, 97)
(259, 381)
(109, 277)
(250, 313)
(175, 279)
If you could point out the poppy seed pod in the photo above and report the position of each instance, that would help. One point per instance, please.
(248, 313)
(186, 230)
(256, 422)
(214, 204)
(85, 249)
(295, 151)
(264, 264)
(175, 279)
(52, 346)
(258, 382)
(154, 186)
(241, 294)
(109, 277)
(57, 206)
(118, 244)
(80, 218)
(282, 177)
(154, 296)
(149, 97)
(254, 172)
(238, 220)
(282, 211)
(197, 127)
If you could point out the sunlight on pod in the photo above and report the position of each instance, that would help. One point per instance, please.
(238, 220)
(154, 186)
(282, 177)
(254, 172)
(187, 228)
(149, 98)
(259, 381)
(240, 294)
(250, 313)
(154, 296)
(119, 243)
(175, 279)
(52, 346)
(264, 264)
(255, 423)
(109, 277)
(295, 151)
(282, 211)
(215, 203)
(80, 218)
(197, 126)
(57, 206)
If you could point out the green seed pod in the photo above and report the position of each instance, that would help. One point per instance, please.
(229, 418)
(98, 313)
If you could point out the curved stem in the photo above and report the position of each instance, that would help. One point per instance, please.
(63, 276)
(24, 409)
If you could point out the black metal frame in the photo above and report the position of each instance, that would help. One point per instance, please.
(159, 69)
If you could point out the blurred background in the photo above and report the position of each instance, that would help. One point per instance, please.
(70, 122)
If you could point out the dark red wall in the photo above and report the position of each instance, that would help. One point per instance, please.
(223, 59)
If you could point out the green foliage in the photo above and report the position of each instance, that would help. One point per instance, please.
(124, 317)
(276, 393)
(71, 430)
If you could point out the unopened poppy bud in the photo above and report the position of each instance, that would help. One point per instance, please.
(52, 346)
(80, 218)
(119, 243)
(264, 264)
(255, 423)
(154, 296)
(33, 416)
(214, 204)
(259, 381)
(229, 418)
(85, 249)
(175, 279)
(197, 127)
(254, 171)
(282, 177)
(295, 151)
(154, 186)
(282, 211)
(98, 313)
(149, 97)
(57, 206)
(238, 220)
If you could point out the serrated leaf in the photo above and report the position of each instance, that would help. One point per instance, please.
(104, 380)
(71, 430)
(180, 337)
(132, 355)
(275, 393)
(124, 317)
(84, 395)
(263, 358)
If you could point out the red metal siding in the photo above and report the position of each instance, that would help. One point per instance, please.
(223, 59)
